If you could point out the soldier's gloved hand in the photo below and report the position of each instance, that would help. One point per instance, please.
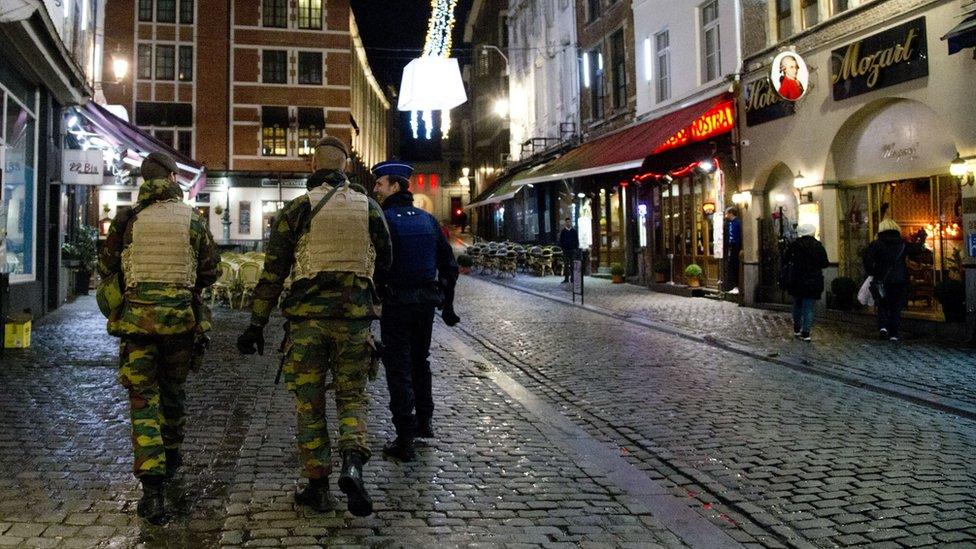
(251, 340)
(449, 316)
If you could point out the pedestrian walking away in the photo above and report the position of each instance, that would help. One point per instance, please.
(803, 263)
(733, 249)
(331, 241)
(569, 242)
(421, 278)
(156, 260)
(885, 261)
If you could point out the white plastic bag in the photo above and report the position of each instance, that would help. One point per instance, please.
(864, 294)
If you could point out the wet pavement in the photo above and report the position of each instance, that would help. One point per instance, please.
(557, 427)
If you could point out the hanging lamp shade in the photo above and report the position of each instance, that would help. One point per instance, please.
(431, 84)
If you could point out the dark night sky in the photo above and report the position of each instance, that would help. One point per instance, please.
(393, 33)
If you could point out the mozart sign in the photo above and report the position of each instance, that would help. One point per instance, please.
(891, 57)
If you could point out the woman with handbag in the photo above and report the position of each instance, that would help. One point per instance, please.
(884, 260)
(806, 259)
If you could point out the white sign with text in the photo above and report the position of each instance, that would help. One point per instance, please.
(82, 167)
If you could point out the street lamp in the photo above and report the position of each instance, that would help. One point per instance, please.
(225, 220)
(501, 107)
(120, 67)
(484, 51)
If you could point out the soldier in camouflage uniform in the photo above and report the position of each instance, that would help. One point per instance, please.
(164, 256)
(329, 242)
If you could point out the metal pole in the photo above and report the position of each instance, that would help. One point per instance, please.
(4, 305)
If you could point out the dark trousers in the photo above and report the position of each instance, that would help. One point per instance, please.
(732, 266)
(568, 257)
(889, 308)
(405, 331)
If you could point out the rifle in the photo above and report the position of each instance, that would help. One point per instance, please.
(281, 349)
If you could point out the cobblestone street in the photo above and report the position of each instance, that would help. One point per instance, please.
(557, 426)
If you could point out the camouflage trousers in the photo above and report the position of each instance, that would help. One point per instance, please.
(316, 348)
(154, 370)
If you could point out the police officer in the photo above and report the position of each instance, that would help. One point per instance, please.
(329, 241)
(421, 279)
(160, 255)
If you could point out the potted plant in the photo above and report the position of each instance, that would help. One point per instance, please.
(693, 273)
(661, 270)
(617, 272)
(465, 262)
(952, 296)
(82, 253)
(844, 291)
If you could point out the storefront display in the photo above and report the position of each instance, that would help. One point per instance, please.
(19, 193)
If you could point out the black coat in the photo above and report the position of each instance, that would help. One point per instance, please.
(568, 239)
(805, 259)
(885, 258)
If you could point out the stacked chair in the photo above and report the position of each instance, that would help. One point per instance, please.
(239, 275)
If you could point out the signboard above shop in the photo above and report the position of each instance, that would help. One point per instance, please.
(890, 57)
(718, 120)
(82, 167)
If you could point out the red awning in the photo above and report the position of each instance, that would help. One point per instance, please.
(118, 132)
(625, 149)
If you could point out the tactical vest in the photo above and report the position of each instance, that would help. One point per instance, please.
(160, 250)
(337, 239)
(414, 234)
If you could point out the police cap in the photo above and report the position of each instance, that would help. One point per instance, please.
(393, 168)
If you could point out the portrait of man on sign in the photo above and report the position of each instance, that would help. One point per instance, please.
(790, 76)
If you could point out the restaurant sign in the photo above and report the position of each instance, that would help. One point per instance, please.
(891, 57)
(763, 104)
(716, 121)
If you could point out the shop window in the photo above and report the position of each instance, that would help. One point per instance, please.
(618, 56)
(186, 63)
(311, 122)
(274, 67)
(165, 62)
(310, 14)
(784, 19)
(274, 131)
(711, 46)
(662, 63)
(275, 13)
(19, 191)
(244, 218)
(145, 10)
(596, 89)
(811, 12)
(310, 67)
(144, 62)
(186, 12)
(165, 11)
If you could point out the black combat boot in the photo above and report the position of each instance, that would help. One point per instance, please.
(425, 429)
(400, 448)
(173, 462)
(351, 484)
(151, 506)
(316, 495)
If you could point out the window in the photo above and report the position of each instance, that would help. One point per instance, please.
(274, 131)
(596, 91)
(166, 136)
(275, 13)
(784, 19)
(310, 125)
(186, 12)
(145, 10)
(662, 44)
(19, 194)
(186, 63)
(165, 62)
(711, 49)
(617, 56)
(165, 11)
(811, 12)
(593, 9)
(164, 114)
(310, 14)
(310, 67)
(184, 142)
(144, 62)
(841, 6)
(274, 67)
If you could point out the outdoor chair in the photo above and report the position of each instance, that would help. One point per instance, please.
(248, 275)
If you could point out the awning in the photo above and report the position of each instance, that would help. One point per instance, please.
(963, 35)
(503, 191)
(624, 149)
(523, 177)
(120, 133)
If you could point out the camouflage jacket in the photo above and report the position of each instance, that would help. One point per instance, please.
(327, 295)
(156, 309)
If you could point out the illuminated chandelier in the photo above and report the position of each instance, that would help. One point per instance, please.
(433, 82)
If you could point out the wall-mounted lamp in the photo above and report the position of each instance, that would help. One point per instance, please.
(961, 170)
(741, 199)
(800, 181)
(708, 208)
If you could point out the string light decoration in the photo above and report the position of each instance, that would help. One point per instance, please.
(433, 82)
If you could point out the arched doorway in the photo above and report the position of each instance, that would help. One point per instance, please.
(776, 228)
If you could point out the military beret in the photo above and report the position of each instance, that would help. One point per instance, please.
(157, 166)
(394, 168)
(329, 141)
